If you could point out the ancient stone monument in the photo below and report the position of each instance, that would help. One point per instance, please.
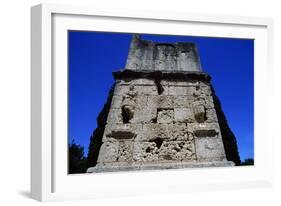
(164, 113)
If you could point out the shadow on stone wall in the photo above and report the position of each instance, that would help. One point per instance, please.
(229, 139)
(96, 138)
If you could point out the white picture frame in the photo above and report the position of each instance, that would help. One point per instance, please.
(49, 179)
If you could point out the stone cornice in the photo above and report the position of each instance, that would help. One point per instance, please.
(162, 75)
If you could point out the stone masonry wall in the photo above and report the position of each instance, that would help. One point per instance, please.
(175, 127)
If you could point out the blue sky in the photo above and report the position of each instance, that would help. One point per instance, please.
(94, 55)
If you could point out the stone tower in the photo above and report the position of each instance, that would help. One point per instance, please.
(164, 113)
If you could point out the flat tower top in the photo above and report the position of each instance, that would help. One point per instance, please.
(149, 55)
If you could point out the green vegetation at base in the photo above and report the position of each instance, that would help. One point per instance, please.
(77, 163)
(248, 161)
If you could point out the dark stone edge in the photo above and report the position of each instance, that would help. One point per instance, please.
(228, 137)
(96, 137)
(159, 75)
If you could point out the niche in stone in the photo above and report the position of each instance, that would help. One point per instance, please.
(205, 133)
(159, 87)
(128, 105)
(158, 141)
(199, 113)
(127, 113)
(121, 134)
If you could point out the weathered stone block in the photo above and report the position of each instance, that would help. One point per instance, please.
(164, 151)
(152, 131)
(179, 131)
(193, 127)
(165, 116)
(202, 92)
(211, 115)
(122, 131)
(145, 152)
(184, 115)
(209, 149)
(144, 111)
(183, 101)
(144, 115)
(179, 83)
(183, 83)
(179, 90)
(148, 55)
(141, 101)
(161, 102)
(109, 151)
(116, 102)
(177, 151)
(121, 90)
(209, 103)
(147, 90)
(206, 89)
(114, 116)
(169, 132)
(125, 152)
(141, 82)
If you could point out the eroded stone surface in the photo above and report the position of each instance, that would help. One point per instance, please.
(109, 151)
(177, 151)
(160, 150)
(125, 152)
(148, 55)
(178, 126)
(184, 115)
(209, 149)
(181, 90)
(199, 113)
(165, 115)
